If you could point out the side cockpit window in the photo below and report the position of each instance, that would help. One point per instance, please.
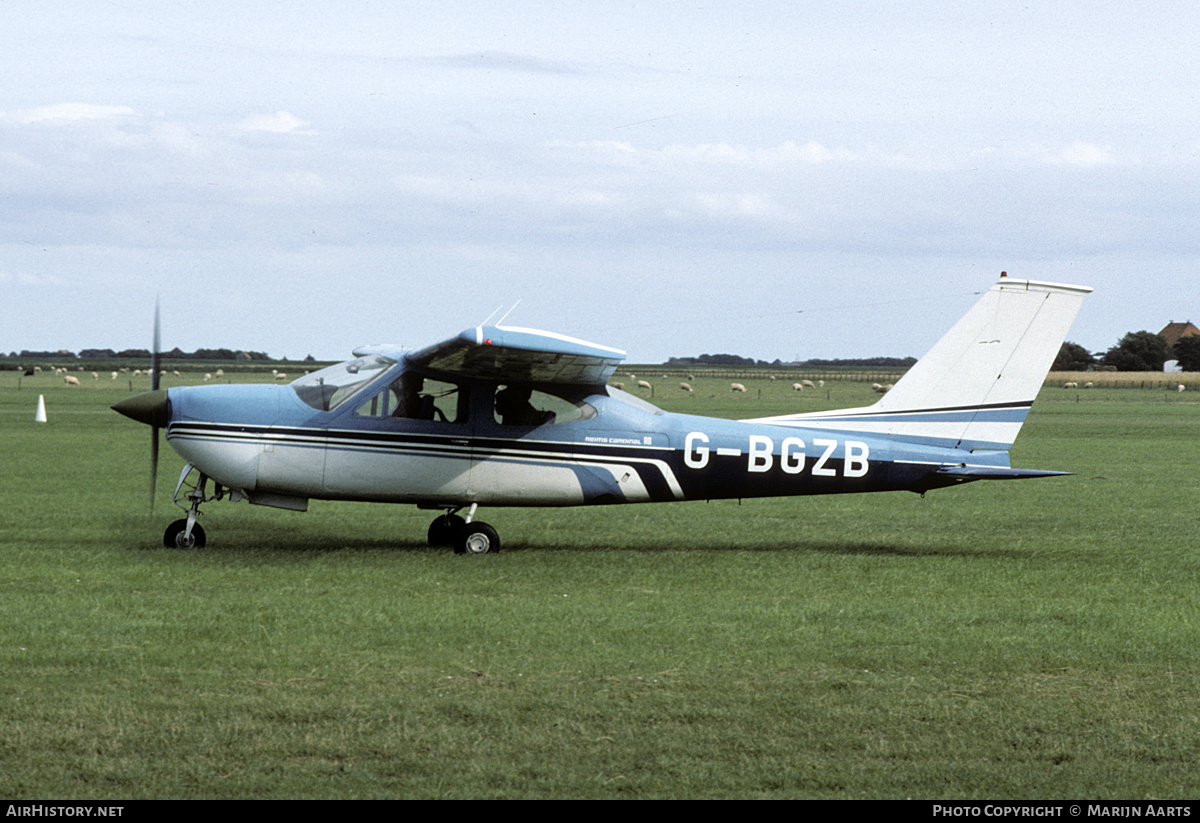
(415, 397)
(522, 405)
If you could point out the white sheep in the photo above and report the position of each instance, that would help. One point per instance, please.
(821, 384)
(1088, 384)
(808, 384)
(1070, 384)
(114, 375)
(620, 386)
(95, 376)
(643, 384)
(70, 380)
(737, 387)
(685, 387)
(1180, 387)
(207, 377)
(280, 375)
(797, 387)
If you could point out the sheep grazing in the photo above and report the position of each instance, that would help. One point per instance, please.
(114, 375)
(821, 384)
(808, 384)
(207, 377)
(797, 387)
(280, 375)
(884, 389)
(1070, 384)
(620, 386)
(220, 372)
(737, 387)
(1088, 384)
(685, 387)
(643, 384)
(70, 380)
(1180, 387)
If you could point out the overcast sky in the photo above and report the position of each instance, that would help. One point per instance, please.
(776, 180)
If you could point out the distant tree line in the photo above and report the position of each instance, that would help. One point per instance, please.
(718, 360)
(886, 363)
(144, 354)
(865, 362)
(1136, 351)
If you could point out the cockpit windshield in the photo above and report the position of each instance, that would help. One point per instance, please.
(330, 387)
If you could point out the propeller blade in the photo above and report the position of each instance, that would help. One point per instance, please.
(155, 368)
(153, 465)
(156, 351)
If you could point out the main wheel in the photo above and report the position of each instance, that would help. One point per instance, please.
(173, 537)
(443, 530)
(477, 538)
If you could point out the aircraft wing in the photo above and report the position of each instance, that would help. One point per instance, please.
(506, 354)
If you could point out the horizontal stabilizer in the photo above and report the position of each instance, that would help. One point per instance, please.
(995, 473)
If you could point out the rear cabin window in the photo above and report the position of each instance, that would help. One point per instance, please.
(523, 405)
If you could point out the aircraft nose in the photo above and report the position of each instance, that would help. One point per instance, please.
(151, 408)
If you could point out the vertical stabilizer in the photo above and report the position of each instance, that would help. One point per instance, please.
(974, 388)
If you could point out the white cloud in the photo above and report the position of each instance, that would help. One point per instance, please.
(281, 122)
(67, 112)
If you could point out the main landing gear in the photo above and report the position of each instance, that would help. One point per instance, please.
(465, 536)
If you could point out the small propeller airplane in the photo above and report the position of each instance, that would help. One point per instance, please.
(502, 416)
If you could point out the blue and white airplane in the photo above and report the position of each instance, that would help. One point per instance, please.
(501, 416)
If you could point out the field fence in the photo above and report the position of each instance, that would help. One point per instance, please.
(1163, 381)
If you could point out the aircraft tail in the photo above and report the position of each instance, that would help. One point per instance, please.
(974, 388)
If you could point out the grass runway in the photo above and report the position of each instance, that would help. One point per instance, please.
(1036, 639)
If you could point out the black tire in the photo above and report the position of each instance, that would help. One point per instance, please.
(442, 531)
(173, 536)
(477, 538)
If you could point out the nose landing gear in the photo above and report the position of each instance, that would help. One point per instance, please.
(186, 533)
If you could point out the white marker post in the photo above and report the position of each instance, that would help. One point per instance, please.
(40, 417)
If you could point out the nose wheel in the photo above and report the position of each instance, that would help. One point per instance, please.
(462, 534)
(177, 536)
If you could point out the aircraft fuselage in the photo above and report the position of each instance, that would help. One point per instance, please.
(266, 442)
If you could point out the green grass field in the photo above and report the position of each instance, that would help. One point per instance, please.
(1034, 639)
